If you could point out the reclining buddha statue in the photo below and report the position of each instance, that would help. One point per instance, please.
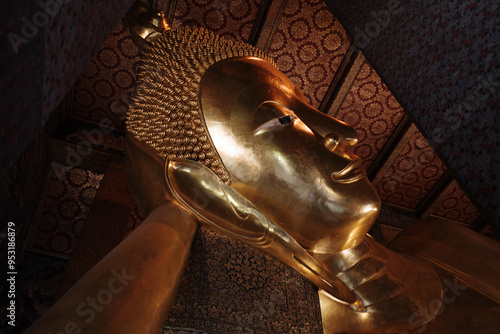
(218, 135)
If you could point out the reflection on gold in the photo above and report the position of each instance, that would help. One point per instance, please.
(145, 23)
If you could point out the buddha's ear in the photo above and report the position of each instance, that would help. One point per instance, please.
(206, 196)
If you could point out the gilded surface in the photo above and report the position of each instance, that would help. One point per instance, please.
(286, 183)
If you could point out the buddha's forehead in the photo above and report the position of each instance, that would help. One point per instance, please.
(241, 71)
(232, 90)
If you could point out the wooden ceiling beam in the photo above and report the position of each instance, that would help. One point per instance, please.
(342, 81)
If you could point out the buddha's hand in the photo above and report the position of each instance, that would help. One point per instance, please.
(203, 193)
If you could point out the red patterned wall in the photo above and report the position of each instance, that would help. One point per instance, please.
(232, 19)
(455, 205)
(105, 86)
(67, 200)
(412, 175)
(309, 46)
(372, 111)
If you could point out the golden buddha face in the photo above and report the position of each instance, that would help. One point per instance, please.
(280, 176)
(286, 157)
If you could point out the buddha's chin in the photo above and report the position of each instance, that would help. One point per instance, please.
(340, 229)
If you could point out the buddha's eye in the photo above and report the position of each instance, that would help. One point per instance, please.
(286, 119)
(276, 122)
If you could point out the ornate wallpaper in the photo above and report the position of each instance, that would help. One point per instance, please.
(455, 205)
(229, 287)
(309, 46)
(372, 111)
(412, 175)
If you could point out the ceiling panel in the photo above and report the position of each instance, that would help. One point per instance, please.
(455, 205)
(309, 46)
(231, 19)
(372, 111)
(412, 175)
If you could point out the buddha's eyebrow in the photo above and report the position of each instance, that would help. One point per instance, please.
(275, 121)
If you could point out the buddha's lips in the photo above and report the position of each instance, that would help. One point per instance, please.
(352, 172)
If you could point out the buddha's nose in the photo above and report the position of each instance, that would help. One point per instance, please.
(336, 133)
(331, 141)
(348, 136)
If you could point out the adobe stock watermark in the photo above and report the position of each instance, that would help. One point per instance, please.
(381, 19)
(48, 9)
(87, 310)
(422, 317)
